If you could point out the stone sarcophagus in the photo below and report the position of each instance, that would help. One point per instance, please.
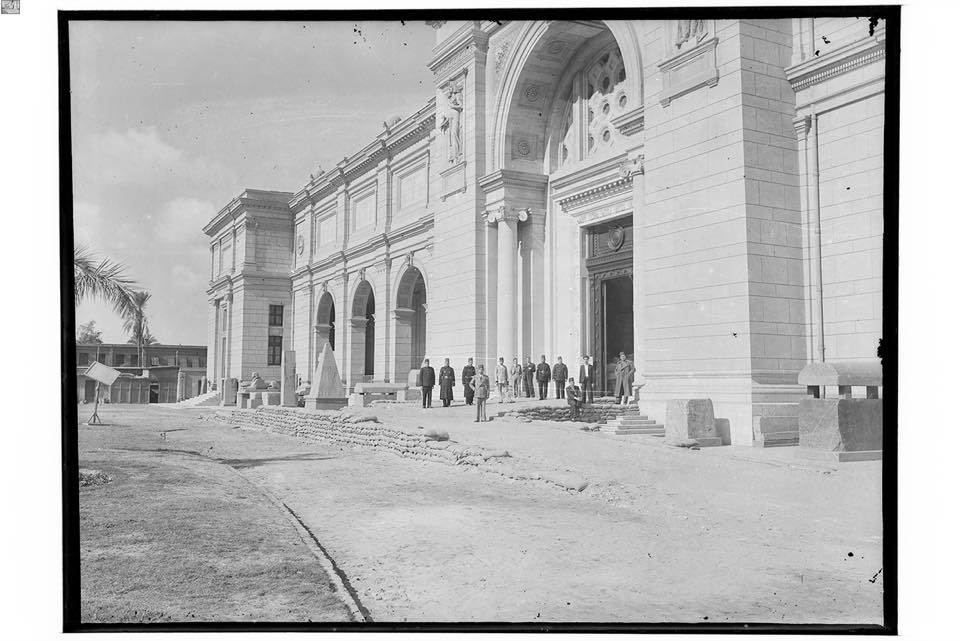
(841, 428)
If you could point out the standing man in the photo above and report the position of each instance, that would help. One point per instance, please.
(480, 385)
(503, 379)
(586, 380)
(447, 380)
(574, 400)
(528, 372)
(428, 379)
(516, 375)
(624, 371)
(466, 376)
(543, 376)
(559, 376)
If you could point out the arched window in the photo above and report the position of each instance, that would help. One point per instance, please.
(598, 95)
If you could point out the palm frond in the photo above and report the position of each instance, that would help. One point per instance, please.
(104, 279)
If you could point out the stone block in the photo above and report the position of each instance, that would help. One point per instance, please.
(230, 387)
(852, 427)
(270, 397)
(243, 400)
(691, 419)
(316, 403)
(358, 400)
(288, 384)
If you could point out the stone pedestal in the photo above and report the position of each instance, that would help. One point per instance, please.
(288, 383)
(841, 429)
(230, 387)
(243, 400)
(270, 398)
(358, 400)
(413, 390)
(691, 419)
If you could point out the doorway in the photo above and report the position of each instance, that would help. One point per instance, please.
(616, 327)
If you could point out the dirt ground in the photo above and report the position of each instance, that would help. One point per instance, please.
(173, 537)
(660, 533)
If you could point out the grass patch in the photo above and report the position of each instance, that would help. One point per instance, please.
(174, 538)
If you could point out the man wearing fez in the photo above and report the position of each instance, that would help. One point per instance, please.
(466, 376)
(528, 371)
(516, 376)
(574, 399)
(447, 380)
(428, 379)
(559, 376)
(543, 376)
(501, 377)
(586, 379)
(624, 371)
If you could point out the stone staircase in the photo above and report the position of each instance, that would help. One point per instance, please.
(631, 421)
(204, 400)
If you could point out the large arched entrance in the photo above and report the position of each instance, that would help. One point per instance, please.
(569, 111)
(325, 327)
(410, 323)
(362, 334)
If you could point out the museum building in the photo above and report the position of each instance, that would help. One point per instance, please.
(704, 195)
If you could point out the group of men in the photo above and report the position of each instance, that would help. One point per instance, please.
(519, 379)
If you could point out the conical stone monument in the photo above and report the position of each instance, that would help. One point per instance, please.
(326, 390)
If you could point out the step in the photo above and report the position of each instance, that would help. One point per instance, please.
(778, 439)
(646, 430)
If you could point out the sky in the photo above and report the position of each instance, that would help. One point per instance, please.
(170, 120)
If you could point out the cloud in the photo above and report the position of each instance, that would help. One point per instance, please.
(136, 163)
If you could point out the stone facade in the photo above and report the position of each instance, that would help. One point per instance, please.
(705, 195)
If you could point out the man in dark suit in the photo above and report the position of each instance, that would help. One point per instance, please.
(560, 377)
(428, 378)
(528, 371)
(466, 376)
(586, 380)
(447, 380)
(543, 376)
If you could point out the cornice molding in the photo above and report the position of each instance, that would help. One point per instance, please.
(618, 186)
(384, 147)
(512, 178)
(458, 50)
(847, 58)
(630, 122)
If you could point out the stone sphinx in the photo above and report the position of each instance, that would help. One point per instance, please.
(256, 383)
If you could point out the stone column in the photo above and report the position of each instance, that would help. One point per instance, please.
(402, 343)
(507, 287)
(506, 222)
(811, 215)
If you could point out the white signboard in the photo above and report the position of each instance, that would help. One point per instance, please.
(101, 373)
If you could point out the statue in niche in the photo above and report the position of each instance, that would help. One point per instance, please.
(452, 124)
(695, 30)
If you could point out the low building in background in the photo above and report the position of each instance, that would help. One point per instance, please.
(156, 380)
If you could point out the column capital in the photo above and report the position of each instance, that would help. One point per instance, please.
(506, 214)
(801, 125)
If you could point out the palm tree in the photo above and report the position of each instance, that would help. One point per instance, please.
(135, 321)
(102, 279)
